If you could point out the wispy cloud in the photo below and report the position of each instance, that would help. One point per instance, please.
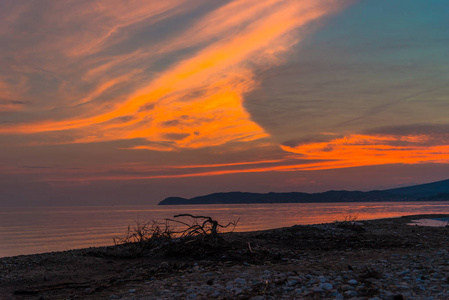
(11, 98)
(136, 171)
(388, 147)
(415, 144)
(210, 67)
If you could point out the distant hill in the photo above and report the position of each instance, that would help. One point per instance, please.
(435, 191)
(423, 190)
(330, 196)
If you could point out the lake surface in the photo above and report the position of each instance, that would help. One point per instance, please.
(44, 229)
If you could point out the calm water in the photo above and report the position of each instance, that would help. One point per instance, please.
(44, 229)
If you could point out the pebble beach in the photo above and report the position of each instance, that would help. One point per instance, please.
(375, 259)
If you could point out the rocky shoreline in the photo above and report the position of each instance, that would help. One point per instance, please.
(375, 259)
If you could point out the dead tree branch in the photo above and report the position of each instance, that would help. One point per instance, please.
(208, 226)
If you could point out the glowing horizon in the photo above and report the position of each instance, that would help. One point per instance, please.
(100, 91)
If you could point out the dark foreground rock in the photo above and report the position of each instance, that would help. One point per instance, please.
(377, 259)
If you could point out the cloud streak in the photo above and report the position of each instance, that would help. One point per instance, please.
(139, 171)
(110, 76)
(204, 90)
(376, 149)
(414, 144)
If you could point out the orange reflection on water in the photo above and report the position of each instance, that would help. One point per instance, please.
(97, 225)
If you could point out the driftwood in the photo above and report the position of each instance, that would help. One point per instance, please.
(144, 232)
(249, 247)
(208, 226)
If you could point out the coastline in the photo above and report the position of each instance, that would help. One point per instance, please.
(379, 258)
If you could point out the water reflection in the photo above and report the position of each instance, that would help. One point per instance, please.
(43, 229)
(441, 222)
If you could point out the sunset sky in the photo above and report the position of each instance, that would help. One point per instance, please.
(125, 102)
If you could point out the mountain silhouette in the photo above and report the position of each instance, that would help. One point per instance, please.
(434, 191)
(423, 190)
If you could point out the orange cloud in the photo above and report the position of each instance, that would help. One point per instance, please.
(197, 102)
(132, 171)
(202, 166)
(350, 151)
(365, 150)
(107, 21)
